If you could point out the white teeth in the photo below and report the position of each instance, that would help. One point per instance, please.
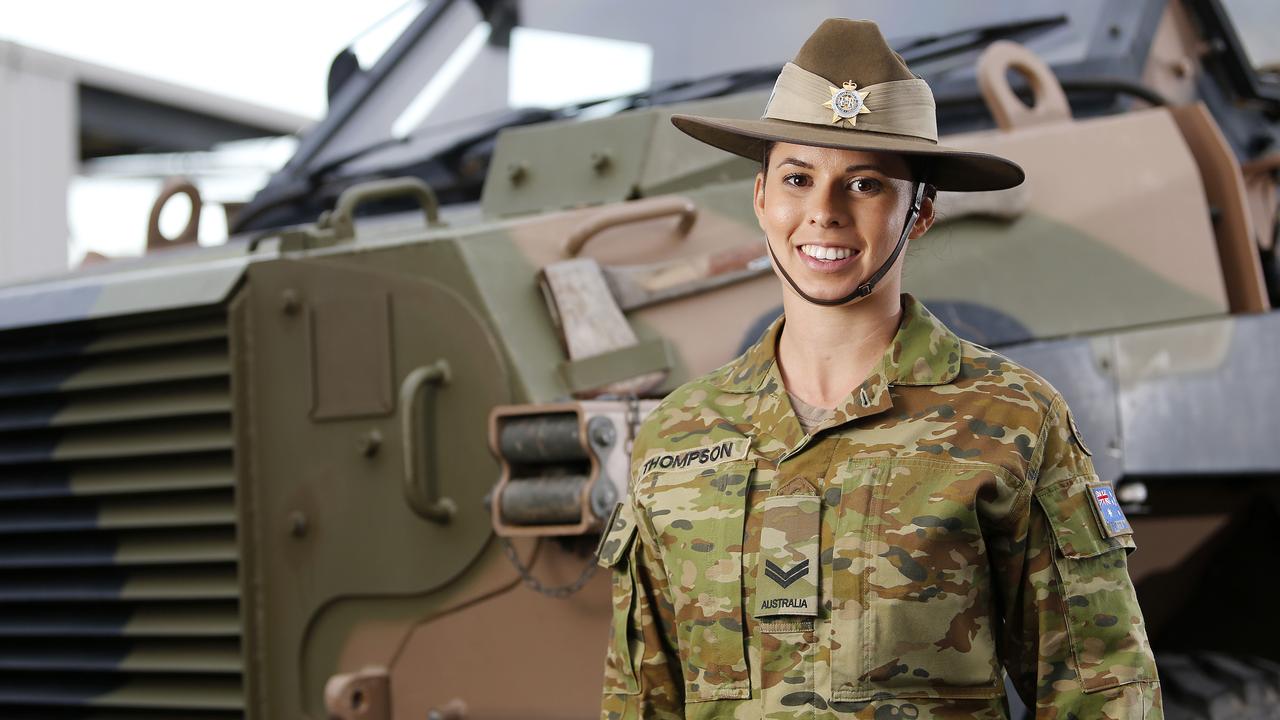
(826, 253)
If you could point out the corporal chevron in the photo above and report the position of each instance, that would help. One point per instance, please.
(785, 577)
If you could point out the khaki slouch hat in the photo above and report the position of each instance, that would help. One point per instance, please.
(848, 89)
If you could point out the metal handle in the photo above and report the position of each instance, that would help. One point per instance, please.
(636, 211)
(341, 220)
(1009, 111)
(157, 240)
(417, 419)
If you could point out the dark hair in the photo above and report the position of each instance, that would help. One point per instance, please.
(919, 168)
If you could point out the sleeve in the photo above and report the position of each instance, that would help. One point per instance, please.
(1073, 639)
(643, 676)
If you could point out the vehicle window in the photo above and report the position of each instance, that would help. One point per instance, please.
(1255, 23)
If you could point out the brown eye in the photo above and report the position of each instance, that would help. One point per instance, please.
(796, 180)
(864, 185)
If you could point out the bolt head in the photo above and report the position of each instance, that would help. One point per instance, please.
(601, 160)
(298, 523)
(290, 302)
(371, 443)
(602, 432)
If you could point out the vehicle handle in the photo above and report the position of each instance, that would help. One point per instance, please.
(631, 212)
(157, 240)
(417, 420)
(1049, 101)
(342, 220)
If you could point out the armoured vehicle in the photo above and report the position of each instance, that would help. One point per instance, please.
(353, 463)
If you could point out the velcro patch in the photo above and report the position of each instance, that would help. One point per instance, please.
(1075, 433)
(787, 573)
(1110, 516)
(704, 456)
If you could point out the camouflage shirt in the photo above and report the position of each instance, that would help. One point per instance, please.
(945, 521)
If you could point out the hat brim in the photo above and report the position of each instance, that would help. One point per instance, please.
(949, 168)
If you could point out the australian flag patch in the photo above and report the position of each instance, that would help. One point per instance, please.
(1109, 513)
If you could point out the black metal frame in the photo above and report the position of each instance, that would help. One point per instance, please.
(1227, 53)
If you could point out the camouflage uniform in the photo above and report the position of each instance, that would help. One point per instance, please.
(946, 519)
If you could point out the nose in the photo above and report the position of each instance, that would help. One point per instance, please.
(828, 211)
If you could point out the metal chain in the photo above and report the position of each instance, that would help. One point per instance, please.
(533, 582)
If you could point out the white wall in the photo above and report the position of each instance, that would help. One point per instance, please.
(39, 146)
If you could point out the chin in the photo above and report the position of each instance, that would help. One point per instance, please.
(826, 291)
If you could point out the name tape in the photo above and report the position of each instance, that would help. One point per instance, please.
(704, 456)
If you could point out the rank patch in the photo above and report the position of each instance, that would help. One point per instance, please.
(785, 577)
(1110, 516)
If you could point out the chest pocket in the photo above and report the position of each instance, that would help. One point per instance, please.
(698, 517)
(1092, 541)
(912, 613)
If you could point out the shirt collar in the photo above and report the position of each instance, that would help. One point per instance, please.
(923, 352)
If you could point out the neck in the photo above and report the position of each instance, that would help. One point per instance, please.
(825, 352)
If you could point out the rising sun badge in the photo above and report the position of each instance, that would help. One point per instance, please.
(847, 103)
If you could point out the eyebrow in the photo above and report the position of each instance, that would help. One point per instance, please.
(852, 168)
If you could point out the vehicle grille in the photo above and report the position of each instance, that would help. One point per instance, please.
(118, 564)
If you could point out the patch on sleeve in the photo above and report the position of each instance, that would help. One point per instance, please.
(1075, 433)
(704, 456)
(1110, 516)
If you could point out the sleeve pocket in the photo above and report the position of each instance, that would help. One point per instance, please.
(1078, 530)
(615, 547)
(619, 530)
(1104, 623)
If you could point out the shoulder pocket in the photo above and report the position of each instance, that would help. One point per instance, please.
(1079, 528)
(619, 532)
(1104, 623)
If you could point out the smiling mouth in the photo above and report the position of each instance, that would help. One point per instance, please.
(827, 252)
(829, 258)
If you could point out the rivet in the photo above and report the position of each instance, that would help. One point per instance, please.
(290, 302)
(517, 172)
(370, 443)
(601, 160)
(603, 433)
(297, 523)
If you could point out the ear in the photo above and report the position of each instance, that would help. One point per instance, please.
(924, 221)
(757, 200)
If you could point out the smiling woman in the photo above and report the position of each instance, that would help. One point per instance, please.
(833, 198)
(906, 517)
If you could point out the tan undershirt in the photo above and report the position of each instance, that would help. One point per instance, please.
(810, 416)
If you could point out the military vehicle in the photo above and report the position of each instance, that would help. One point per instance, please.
(354, 463)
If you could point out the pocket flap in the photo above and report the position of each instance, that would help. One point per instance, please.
(618, 533)
(1085, 518)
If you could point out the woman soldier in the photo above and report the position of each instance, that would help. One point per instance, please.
(864, 516)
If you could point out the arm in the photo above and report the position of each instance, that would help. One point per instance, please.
(1074, 642)
(643, 676)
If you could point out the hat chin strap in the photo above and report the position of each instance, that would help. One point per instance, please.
(869, 286)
